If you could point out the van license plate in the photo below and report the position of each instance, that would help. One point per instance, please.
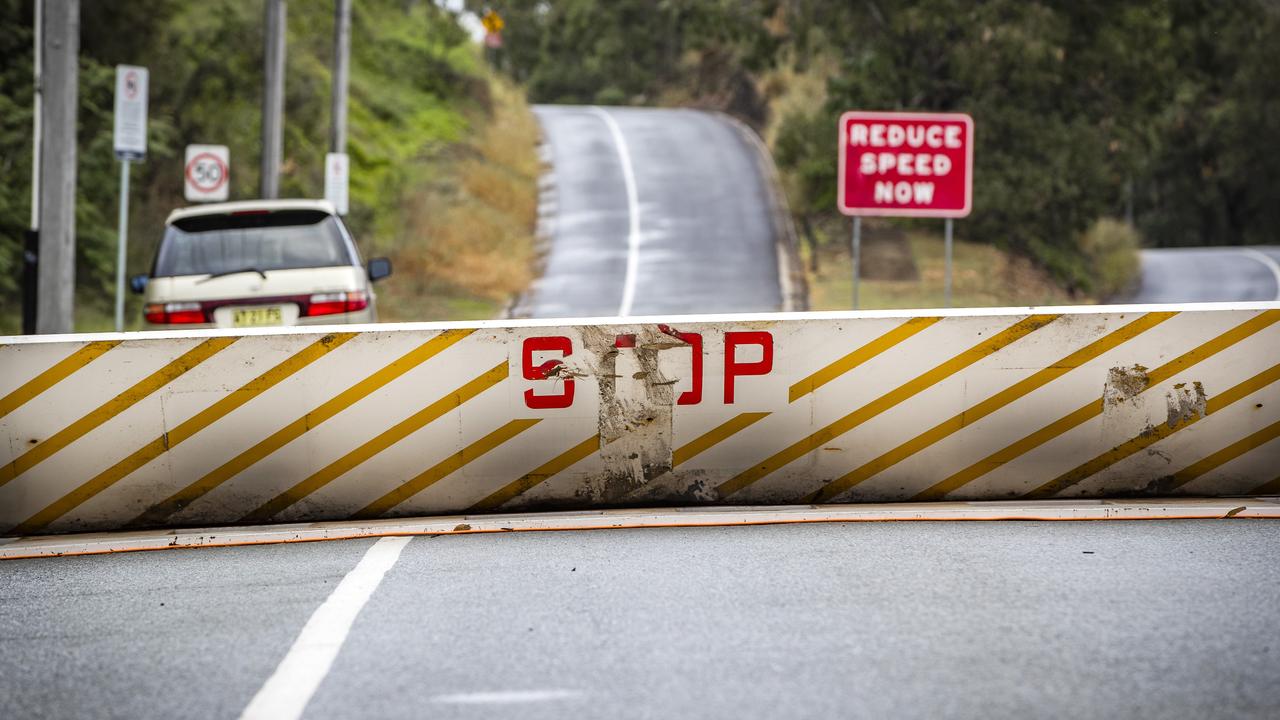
(251, 317)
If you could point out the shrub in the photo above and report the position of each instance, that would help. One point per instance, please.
(1111, 247)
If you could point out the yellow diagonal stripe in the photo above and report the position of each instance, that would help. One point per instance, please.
(444, 468)
(992, 404)
(1093, 408)
(907, 390)
(297, 428)
(1271, 487)
(1150, 437)
(182, 431)
(538, 475)
(382, 441)
(1225, 455)
(859, 356)
(54, 375)
(113, 407)
(716, 436)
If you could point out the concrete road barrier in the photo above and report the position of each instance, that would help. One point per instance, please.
(113, 431)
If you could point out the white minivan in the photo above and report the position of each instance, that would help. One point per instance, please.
(255, 263)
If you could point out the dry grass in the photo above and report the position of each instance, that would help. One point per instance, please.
(982, 276)
(467, 244)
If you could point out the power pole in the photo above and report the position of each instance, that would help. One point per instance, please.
(31, 242)
(273, 98)
(341, 71)
(57, 269)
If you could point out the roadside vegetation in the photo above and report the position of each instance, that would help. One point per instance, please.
(1163, 117)
(443, 151)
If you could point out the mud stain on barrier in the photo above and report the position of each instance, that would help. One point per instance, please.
(1124, 384)
(1185, 402)
(636, 404)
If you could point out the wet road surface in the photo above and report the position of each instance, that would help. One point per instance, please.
(979, 619)
(652, 212)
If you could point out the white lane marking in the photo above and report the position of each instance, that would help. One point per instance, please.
(633, 212)
(1268, 262)
(506, 697)
(286, 693)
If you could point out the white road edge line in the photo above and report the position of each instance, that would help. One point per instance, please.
(286, 693)
(633, 213)
(1267, 262)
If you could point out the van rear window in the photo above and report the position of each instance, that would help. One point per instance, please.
(284, 240)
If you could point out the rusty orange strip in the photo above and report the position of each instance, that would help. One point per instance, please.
(1146, 439)
(1093, 408)
(54, 375)
(992, 404)
(444, 468)
(907, 390)
(182, 431)
(113, 407)
(378, 443)
(300, 426)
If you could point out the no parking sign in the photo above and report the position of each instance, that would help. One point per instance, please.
(207, 173)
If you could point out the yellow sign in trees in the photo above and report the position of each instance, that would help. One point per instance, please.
(492, 22)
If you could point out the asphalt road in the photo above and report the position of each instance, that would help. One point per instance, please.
(1006, 619)
(1177, 275)
(652, 212)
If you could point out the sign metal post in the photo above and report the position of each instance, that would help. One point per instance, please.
(857, 256)
(948, 241)
(130, 141)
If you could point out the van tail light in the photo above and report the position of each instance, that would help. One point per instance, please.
(338, 302)
(175, 313)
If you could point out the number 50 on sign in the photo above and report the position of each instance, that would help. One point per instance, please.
(207, 173)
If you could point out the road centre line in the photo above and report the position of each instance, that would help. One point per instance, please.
(286, 693)
(1074, 510)
(633, 212)
(1268, 262)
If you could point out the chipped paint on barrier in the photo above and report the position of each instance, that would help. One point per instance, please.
(206, 427)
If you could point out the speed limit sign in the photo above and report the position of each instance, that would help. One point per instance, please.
(207, 173)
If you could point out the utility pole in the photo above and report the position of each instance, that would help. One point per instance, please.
(273, 98)
(341, 71)
(57, 269)
(31, 242)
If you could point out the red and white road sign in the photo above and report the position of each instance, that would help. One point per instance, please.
(207, 173)
(906, 164)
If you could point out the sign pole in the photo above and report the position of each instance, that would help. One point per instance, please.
(122, 231)
(857, 256)
(948, 235)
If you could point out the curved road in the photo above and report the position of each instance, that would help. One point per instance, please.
(1236, 274)
(652, 212)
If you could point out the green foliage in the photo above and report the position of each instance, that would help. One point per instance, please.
(1082, 107)
(1111, 247)
(415, 82)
